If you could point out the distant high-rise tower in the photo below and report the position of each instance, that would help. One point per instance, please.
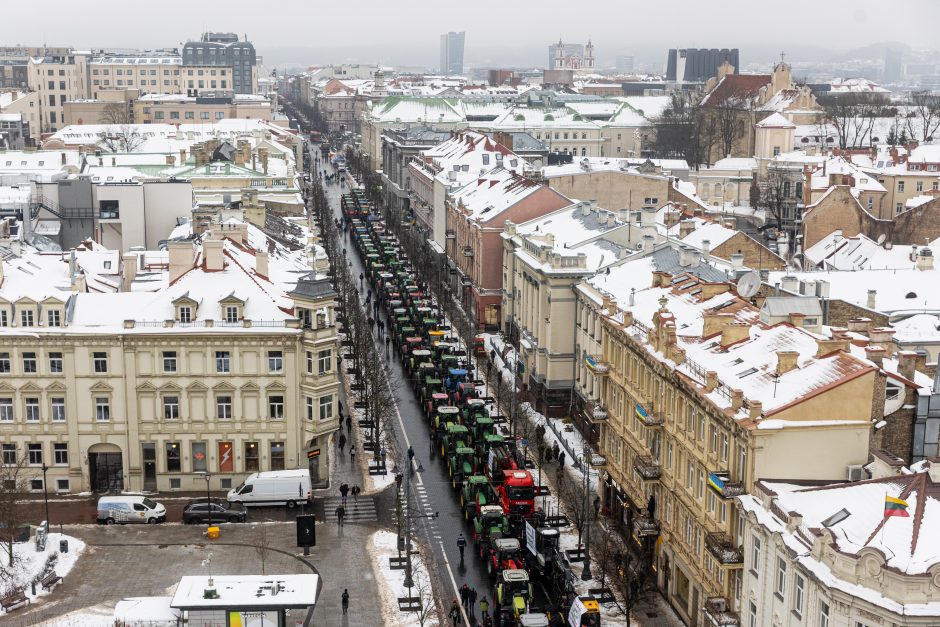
(698, 64)
(892, 73)
(452, 53)
(625, 64)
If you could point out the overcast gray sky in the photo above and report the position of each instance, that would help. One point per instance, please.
(616, 26)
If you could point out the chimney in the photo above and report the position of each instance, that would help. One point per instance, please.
(807, 185)
(826, 346)
(737, 399)
(670, 218)
(860, 325)
(685, 228)
(796, 319)
(261, 264)
(129, 272)
(883, 337)
(875, 354)
(212, 254)
(872, 299)
(706, 249)
(170, 160)
(181, 258)
(734, 332)
(756, 408)
(714, 321)
(737, 261)
(263, 153)
(925, 259)
(906, 361)
(786, 361)
(63, 158)
(648, 216)
(711, 381)
(182, 156)
(689, 257)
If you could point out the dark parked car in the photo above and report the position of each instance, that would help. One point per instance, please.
(217, 510)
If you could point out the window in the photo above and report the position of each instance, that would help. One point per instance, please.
(899, 207)
(60, 454)
(26, 318)
(9, 454)
(900, 186)
(171, 407)
(5, 363)
(780, 588)
(186, 314)
(325, 361)
(222, 361)
(276, 407)
(755, 555)
(700, 485)
(277, 456)
(920, 186)
(219, 114)
(776, 150)
(203, 115)
(6, 410)
(326, 407)
(62, 485)
(309, 361)
(169, 361)
(251, 457)
(3, 313)
(173, 457)
(29, 362)
(275, 361)
(58, 409)
(158, 115)
(55, 363)
(102, 409)
(486, 159)
(309, 402)
(101, 362)
(752, 614)
(200, 460)
(34, 454)
(799, 585)
(174, 115)
(32, 409)
(231, 313)
(223, 407)
(53, 318)
(190, 115)
(823, 614)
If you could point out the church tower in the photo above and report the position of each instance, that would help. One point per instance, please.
(589, 55)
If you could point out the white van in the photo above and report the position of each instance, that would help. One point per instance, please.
(130, 509)
(275, 487)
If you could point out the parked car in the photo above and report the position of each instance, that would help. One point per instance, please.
(216, 510)
(130, 509)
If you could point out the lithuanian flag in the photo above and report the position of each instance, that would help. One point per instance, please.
(895, 507)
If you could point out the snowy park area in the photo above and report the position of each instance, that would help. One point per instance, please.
(382, 546)
(31, 566)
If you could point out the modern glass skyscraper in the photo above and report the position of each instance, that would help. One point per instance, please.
(452, 53)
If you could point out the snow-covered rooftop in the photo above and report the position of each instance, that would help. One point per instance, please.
(247, 591)
(492, 193)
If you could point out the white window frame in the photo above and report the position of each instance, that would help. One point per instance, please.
(57, 409)
(171, 407)
(102, 409)
(31, 405)
(276, 407)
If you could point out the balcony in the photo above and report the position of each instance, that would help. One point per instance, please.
(467, 251)
(450, 234)
(647, 468)
(721, 484)
(648, 415)
(596, 412)
(644, 526)
(718, 614)
(723, 550)
(597, 366)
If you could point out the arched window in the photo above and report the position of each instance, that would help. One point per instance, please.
(583, 152)
(717, 189)
(799, 190)
(786, 189)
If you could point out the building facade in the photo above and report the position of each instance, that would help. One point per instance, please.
(452, 44)
(225, 50)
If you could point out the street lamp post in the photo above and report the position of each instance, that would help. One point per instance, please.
(45, 492)
(208, 500)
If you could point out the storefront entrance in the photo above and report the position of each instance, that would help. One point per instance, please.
(105, 468)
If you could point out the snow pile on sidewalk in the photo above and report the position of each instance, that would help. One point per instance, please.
(382, 546)
(30, 565)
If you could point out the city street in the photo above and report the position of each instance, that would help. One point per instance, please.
(432, 491)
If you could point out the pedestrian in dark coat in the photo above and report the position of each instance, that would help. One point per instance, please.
(454, 613)
(345, 600)
(349, 424)
(342, 442)
(471, 600)
(555, 450)
(464, 594)
(344, 491)
(340, 513)
(561, 459)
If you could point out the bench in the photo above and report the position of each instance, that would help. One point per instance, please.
(15, 598)
(49, 581)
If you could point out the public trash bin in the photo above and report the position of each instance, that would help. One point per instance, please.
(63, 546)
(212, 533)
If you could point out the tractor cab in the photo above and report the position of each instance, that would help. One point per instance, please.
(505, 553)
(438, 399)
(479, 346)
(513, 593)
(435, 336)
(584, 612)
(490, 525)
(465, 391)
(412, 343)
(454, 377)
(546, 548)
(418, 357)
(460, 465)
(456, 436)
(533, 620)
(477, 493)
(445, 415)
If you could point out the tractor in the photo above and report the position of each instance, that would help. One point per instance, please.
(505, 553)
(513, 595)
(490, 525)
(476, 493)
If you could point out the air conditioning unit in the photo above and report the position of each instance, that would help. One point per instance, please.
(854, 472)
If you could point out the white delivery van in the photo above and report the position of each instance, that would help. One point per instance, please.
(275, 487)
(130, 509)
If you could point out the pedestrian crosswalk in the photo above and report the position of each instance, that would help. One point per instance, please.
(361, 511)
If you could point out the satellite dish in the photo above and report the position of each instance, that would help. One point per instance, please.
(881, 239)
(748, 284)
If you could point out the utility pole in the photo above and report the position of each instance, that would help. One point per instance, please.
(586, 469)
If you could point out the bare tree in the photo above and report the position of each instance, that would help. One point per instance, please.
(13, 488)
(724, 122)
(629, 584)
(120, 138)
(116, 114)
(262, 545)
(677, 131)
(852, 116)
(778, 195)
(429, 610)
(572, 496)
(925, 109)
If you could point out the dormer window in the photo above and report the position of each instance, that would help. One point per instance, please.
(53, 318)
(185, 313)
(231, 313)
(26, 318)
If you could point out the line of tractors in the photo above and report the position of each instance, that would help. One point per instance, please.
(532, 578)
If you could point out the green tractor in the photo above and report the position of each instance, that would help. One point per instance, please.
(513, 595)
(455, 436)
(444, 415)
(460, 465)
(490, 525)
(476, 493)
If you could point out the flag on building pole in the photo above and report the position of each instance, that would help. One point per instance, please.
(895, 507)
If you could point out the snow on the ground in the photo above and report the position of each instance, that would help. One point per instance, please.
(382, 546)
(95, 616)
(30, 565)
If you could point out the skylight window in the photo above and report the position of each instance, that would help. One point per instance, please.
(747, 373)
(737, 361)
(836, 518)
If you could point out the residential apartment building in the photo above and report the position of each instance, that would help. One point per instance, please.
(58, 79)
(399, 149)
(860, 554)
(225, 50)
(696, 399)
(144, 371)
(208, 106)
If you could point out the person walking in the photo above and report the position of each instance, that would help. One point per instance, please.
(349, 424)
(352, 453)
(484, 609)
(555, 450)
(411, 455)
(344, 491)
(345, 600)
(561, 459)
(342, 442)
(455, 613)
(597, 506)
(355, 492)
(464, 595)
(340, 514)
(472, 602)
(388, 343)
(461, 545)
(383, 454)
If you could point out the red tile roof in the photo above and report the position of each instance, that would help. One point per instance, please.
(735, 86)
